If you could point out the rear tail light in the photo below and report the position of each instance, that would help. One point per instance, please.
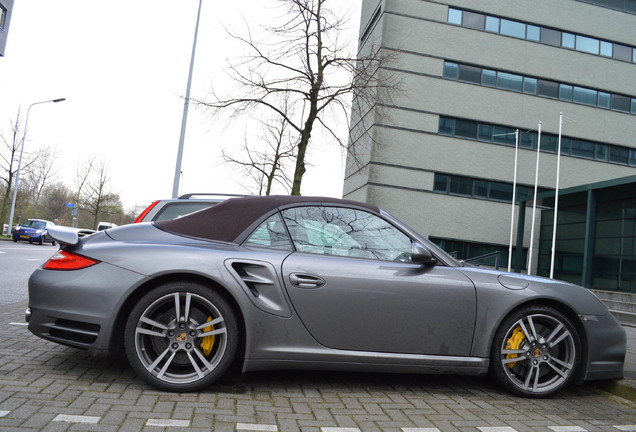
(145, 212)
(65, 260)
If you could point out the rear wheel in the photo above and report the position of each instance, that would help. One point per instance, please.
(181, 337)
(536, 352)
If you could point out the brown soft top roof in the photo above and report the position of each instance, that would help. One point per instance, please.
(228, 219)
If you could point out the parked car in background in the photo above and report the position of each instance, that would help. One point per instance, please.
(173, 208)
(292, 282)
(33, 231)
(105, 225)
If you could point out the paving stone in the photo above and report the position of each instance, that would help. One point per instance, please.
(39, 380)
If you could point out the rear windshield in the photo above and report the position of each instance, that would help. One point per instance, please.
(178, 209)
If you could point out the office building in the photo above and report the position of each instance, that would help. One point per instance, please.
(441, 151)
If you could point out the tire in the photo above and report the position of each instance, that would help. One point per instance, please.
(536, 352)
(181, 354)
(42, 240)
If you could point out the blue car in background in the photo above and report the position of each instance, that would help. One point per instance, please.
(33, 230)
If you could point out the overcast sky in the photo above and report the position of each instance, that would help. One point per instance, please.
(123, 68)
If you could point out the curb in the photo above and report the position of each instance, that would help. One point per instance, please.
(624, 388)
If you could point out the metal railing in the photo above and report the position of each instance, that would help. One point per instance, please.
(476, 259)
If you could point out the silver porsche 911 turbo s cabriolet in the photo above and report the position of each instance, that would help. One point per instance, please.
(312, 283)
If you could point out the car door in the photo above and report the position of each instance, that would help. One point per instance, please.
(353, 286)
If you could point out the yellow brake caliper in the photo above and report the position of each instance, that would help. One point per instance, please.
(207, 342)
(514, 343)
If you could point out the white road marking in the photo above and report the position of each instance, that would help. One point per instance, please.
(4, 413)
(168, 423)
(339, 429)
(567, 429)
(18, 324)
(497, 429)
(420, 430)
(76, 419)
(256, 427)
(626, 428)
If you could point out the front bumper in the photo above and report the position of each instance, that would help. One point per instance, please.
(30, 237)
(606, 348)
(79, 308)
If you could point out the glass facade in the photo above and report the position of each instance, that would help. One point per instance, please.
(610, 252)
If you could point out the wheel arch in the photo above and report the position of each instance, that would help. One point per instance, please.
(564, 309)
(117, 338)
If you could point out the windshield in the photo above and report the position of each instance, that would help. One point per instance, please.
(34, 224)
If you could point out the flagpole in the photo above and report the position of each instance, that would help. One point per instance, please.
(514, 196)
(556, 199)
(534, 204)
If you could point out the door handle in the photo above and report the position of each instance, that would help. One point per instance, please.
(306, 281)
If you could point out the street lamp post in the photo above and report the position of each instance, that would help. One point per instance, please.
(17, 176)
(184, 120)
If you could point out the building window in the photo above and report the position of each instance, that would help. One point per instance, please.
(469, 74)
(479, 188)
(509, 81)
(622, 52)
(473, 20)
(540, 87)
(441, 183)
(454, 16)
(544, 35)
(505, 135)
(620, 103)
(451, 70)
(513, 28)
(550, 37)
(548, 89)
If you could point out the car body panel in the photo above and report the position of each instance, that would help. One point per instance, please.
(383, 306)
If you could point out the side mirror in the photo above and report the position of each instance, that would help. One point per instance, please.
(421, 255)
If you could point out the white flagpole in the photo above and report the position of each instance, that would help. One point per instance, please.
(534, 204)
(514, 197)
(556, 199)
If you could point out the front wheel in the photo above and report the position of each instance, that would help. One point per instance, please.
(181, 337)
(536, 352)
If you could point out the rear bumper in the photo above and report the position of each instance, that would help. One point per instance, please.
(79, 308)
(606, 348)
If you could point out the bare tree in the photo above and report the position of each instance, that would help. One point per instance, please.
(101, 202)
(41, 172)
(9, 160)
(267, 161)
(305, 59)
(53, 203)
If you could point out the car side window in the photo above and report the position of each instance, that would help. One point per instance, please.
(346, 232)
(270, 234)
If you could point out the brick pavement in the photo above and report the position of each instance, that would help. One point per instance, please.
(48, 387)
